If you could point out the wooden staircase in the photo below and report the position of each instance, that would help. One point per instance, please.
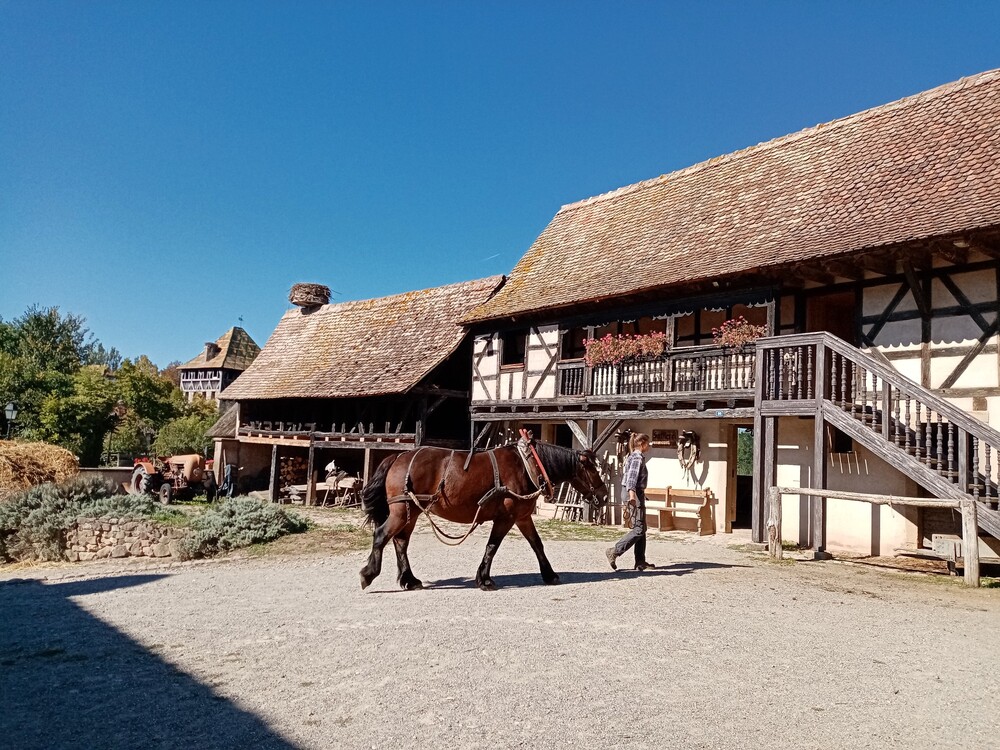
(945, 450)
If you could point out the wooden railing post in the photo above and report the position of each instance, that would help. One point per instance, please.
(970, 542)
(774, 523)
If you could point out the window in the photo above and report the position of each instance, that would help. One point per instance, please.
(572, 344)
(513, 347)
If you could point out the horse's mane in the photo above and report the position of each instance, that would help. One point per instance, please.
(558, 460)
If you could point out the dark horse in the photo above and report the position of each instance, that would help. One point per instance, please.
(509, 483)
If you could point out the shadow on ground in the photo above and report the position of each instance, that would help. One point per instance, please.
(521, 580)
(69, 680)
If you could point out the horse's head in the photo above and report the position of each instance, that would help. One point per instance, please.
(587, 479)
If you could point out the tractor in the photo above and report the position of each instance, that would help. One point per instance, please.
(180, 477)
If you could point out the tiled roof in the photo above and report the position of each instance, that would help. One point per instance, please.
(923, 166)
(236, 350)
(364, 348)
(225, 425)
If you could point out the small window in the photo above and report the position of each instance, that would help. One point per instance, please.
(572, 344)
(512, 347)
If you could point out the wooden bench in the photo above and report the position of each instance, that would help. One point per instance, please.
(694, 507)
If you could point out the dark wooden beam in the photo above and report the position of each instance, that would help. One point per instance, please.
(845, 270)
(879, 264)
(812, 273)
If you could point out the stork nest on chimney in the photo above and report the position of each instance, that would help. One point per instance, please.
(309, 295)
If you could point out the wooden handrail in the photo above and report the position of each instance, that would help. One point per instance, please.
(970, 528)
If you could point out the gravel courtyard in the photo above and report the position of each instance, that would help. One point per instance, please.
(715, 649)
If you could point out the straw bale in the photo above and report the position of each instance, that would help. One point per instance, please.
(24, 465)
(309, 295)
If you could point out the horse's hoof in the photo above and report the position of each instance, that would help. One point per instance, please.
(365, 582)
(487, 585)
(411, 585)
(553, 580)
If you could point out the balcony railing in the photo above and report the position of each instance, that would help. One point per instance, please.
(694, 370)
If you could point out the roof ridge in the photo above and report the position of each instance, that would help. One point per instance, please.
(976, 79)
(494, 279)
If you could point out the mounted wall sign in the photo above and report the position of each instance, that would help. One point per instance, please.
(664, 438)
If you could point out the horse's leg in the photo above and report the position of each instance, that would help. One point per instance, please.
(395, 523)
(501, 525)
(527, 528)
(401, 541)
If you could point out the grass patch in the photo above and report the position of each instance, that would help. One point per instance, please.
(325, 540)
(570, 531)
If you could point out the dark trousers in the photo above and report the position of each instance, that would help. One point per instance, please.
(636, 535)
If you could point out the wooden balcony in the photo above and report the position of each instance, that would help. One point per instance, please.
(689, 372)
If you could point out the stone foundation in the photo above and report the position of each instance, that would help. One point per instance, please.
(96, 538)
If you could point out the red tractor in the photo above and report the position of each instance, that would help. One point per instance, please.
(180, 477)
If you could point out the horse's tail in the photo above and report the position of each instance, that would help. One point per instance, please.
(374, 501)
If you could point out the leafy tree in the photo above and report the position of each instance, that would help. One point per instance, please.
(185, 435)
(50, 340)
(80, 420)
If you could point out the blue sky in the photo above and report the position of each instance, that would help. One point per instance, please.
(167, 168)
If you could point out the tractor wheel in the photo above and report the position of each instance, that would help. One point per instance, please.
(140, 482)
(167, 494)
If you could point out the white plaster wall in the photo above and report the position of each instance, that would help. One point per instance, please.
(488, 365)
(665, 470)
(539, 359)
(851, 526)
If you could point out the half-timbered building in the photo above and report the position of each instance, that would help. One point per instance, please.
(347, 382)
(218, 365)
(866, 247)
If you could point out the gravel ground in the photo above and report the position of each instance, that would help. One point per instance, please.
(714, 649)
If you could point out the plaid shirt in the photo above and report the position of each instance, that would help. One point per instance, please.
(636, 475)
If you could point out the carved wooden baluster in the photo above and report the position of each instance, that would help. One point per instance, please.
(858, 391)
(906, 426)
(779, 353)
(950, 450)
(809, 372)
(939, 442)
(833, 376)
(975, 468)
(899, 427)
(987, 474)
(877, 405)
(843, 382)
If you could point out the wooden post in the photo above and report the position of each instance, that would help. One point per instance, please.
(774, 524)
(273, 488)
(970, 542)
(367, 472)
(818, 504)
(311, 475)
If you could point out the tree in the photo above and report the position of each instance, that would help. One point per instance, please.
(79, 421)
(186, 434)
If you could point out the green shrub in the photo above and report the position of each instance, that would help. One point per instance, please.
(239, 522)
(33, 523)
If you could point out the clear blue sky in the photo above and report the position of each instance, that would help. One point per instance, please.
(167, 167)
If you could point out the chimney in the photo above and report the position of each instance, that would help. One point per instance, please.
(211, 350)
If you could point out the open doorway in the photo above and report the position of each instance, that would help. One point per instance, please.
(740, 514)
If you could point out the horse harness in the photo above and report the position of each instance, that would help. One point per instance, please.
(525, 452)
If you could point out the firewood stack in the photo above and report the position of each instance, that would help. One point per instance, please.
(292, 470)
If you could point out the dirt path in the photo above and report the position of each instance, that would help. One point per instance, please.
(715, 649)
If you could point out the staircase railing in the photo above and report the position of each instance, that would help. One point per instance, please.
(822, 369)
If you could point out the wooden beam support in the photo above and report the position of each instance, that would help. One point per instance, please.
(581, 436)
(844, 270)
(608, 431)
(877, 263)
(272, 490)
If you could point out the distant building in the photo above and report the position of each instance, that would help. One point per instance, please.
(218, 365)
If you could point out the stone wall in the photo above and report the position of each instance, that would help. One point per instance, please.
(95, 538)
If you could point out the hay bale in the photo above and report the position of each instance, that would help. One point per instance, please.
(309, 295)
(24, 465)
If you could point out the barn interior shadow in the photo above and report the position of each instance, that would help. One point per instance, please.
(67, 679)
(521, 580)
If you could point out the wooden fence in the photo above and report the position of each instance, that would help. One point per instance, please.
(970, 524)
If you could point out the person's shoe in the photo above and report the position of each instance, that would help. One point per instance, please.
(644, 566)
(610, 554)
